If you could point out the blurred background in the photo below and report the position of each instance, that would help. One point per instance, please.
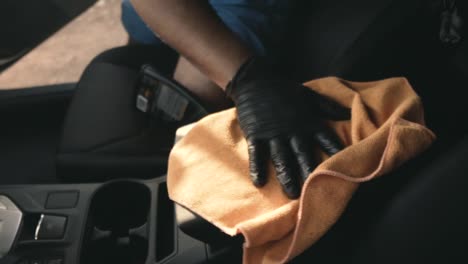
(54, 39)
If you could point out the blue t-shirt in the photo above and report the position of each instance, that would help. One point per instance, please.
(260, 24)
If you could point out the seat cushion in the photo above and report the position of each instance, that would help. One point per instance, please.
(104, 135)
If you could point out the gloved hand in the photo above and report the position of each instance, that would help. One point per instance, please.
(281, 120)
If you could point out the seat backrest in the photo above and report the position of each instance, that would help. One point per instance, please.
(355, 39)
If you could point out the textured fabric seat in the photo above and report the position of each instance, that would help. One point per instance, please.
(104, 135)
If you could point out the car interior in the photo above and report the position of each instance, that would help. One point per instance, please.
(78, 185)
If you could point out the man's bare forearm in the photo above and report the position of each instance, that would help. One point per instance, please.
(193, 29)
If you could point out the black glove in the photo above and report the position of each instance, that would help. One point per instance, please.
(281, 120)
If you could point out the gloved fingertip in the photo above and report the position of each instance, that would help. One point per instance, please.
(292, 191)
(328, 141)
(283, 161)
(257, 179)
(302, 149)
(257, 163)
(289, 183)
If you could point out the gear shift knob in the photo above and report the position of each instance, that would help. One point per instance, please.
(10, 220)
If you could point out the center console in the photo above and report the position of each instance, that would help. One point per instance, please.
(125, 221)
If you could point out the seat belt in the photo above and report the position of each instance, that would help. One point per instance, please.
(166, 100)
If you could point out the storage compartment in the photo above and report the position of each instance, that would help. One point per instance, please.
(116, 229)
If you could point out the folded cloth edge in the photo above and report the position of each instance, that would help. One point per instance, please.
(376, 172)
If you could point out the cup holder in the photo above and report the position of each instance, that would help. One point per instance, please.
(116, 229)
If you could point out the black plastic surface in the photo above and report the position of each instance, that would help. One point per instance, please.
(117, 210)
(31, 126)
(62, 200)
(54, 261)
(199, 228)
(52, 227)
(121, 221)
(31, 199)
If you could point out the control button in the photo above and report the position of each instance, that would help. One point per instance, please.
(62, 200)
(50, 227)
(55, 261)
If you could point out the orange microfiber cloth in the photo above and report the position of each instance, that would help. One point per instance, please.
(209, 172)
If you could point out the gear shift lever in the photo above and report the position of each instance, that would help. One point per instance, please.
(10, 220)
